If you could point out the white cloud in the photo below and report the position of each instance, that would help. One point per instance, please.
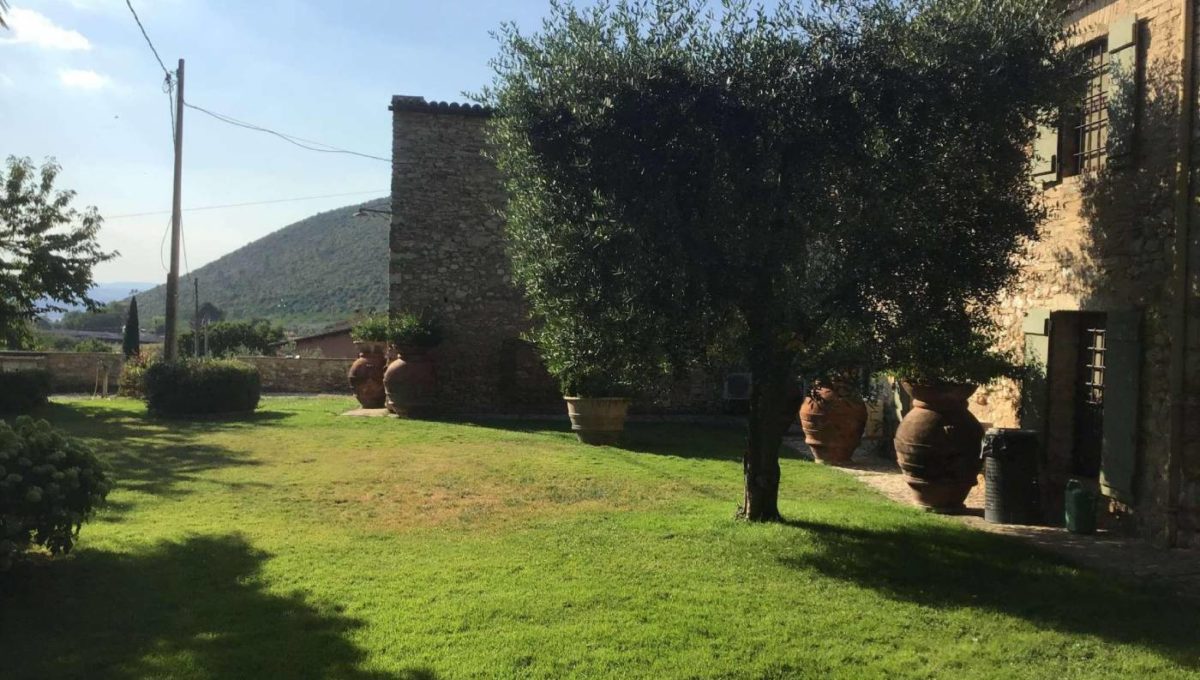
(6, 81)
(31, 28)
(83, 79)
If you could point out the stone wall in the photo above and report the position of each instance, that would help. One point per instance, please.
(1107, 246)
(69, 371)
(305, 375)
(75, 372)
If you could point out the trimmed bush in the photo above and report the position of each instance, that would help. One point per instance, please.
(49, 484)
(24, 390)
(199, 387)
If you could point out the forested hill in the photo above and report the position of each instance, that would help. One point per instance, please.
(309, 274)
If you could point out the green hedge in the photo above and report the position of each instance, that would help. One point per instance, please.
(49, 484)
(199, 387)
(21, 391)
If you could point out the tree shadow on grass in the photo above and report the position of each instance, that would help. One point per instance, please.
(146, 455)
(197, 608)
(946, 567)
(710, 441)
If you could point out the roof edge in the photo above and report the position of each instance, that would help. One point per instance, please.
(420, 105)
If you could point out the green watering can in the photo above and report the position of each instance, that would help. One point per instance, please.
(1080, 504)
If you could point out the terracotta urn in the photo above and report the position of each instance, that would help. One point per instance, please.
(366, 374)
(599, 421)
(833, 422)
(938, 444)
(410, 382)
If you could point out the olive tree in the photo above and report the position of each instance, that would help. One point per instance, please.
(47, 247)
(680, 175)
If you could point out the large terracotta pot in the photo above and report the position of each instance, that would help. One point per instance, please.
(938, 444)
(597, 420)
(366, 374)
(833, 424)
(410, 382)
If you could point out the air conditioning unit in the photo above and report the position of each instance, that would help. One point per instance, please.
(737, 387)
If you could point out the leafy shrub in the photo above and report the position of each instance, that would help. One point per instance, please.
(197, 387)
(373, 328)
(412, 330)
(49, 484)
(94, 345)
(230, 338)
(23, 390)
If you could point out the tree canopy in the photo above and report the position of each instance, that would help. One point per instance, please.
(47, 247)
(808, 186)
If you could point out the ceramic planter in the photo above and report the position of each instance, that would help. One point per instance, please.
(938, 444)
(833, 425)
(410, 383)
(597, 420)
(366, 374)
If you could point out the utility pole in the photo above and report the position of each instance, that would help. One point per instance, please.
(170, 348)
(196, 323)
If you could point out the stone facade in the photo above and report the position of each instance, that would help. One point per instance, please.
(1109, 247)
(448, 259)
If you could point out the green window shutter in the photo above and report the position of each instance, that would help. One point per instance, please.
(1123, 360)
(1045, 154)
(1035, 392)
(1120, 86)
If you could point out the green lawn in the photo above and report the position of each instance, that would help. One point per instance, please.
(300, 544)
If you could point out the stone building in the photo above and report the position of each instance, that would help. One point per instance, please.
(1106, 307)
(448, 259)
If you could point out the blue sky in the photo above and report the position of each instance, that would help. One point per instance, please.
(78, 82)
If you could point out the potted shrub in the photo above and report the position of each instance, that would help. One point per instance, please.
(370, 336)
(833, 417)
(597, 406)
(938, 441)
(410, 380)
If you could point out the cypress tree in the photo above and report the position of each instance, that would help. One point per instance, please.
(132, 342)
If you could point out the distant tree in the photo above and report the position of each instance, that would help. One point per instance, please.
(131, 343)
(109, 318)
(210, 313)
(230, 338)
(679, 183)
(47, 248)
(93, 345)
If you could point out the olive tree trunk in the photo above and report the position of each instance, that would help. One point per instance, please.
(772, 409)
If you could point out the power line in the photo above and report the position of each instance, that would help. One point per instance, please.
(291, 139)
(240, 205)
(166, 71)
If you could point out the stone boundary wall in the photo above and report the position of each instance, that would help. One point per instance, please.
(75, 372)
(307, 375)
(69, 371)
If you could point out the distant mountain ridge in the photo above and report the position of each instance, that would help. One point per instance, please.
(309, 274)
(102, 293)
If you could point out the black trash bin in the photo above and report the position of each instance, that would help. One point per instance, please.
(1010, 472)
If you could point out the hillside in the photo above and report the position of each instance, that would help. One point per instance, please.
(308, 274)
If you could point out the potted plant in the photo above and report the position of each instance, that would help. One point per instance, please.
(596, 404)
(410, 380)
(938, 441)
(371, 336)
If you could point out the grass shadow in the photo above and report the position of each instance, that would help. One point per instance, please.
(198, 604)
(946, 567)
(692, 440)
(149, 455)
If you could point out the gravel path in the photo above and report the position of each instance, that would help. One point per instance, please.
(1178, 569)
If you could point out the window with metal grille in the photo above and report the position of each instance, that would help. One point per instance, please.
(1085, 130)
